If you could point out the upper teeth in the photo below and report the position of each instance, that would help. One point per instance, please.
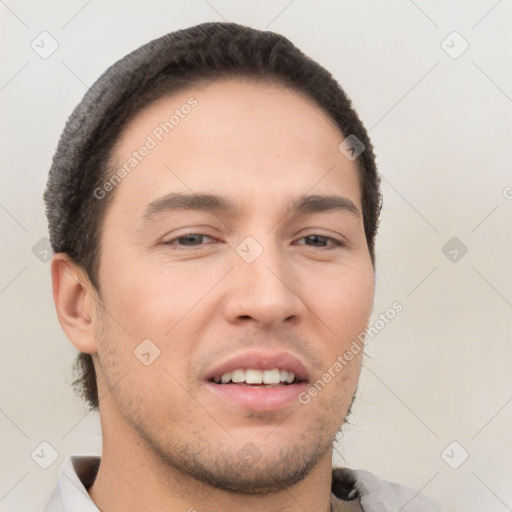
(253, 376)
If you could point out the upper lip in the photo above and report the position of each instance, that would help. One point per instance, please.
(260, 360)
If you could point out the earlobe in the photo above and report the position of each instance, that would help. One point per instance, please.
(72, 294)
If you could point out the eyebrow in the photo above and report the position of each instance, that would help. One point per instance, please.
(215, 203)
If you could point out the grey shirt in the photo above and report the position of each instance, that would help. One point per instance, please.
(352, 491)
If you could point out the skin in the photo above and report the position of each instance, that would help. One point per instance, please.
(168, 442)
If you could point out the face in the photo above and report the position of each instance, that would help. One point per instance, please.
(234, 274)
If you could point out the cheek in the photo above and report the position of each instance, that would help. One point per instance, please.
(343, 301)
(156, 296)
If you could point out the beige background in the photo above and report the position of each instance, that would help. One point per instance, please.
(439, 372)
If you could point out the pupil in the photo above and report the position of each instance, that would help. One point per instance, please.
(190, 239)
(317, 240)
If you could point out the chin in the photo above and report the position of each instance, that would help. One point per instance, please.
(250, 472)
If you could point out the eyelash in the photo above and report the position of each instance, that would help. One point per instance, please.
(334, 241)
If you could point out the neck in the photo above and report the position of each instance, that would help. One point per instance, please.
(132, 477)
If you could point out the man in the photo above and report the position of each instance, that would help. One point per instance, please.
(213, 205)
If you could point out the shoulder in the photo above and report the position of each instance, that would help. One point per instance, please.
(377, 495)
(70, 493)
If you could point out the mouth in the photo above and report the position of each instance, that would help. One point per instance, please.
(258, 380)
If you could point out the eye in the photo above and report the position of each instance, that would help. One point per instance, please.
(189, 240)
(322, 241)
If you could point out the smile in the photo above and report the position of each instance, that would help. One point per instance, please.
(258, 380)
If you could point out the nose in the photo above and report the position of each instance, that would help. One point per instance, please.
(264, 291)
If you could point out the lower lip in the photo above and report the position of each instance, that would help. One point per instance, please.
(258, 398)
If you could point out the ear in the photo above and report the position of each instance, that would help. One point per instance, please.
(74, 298)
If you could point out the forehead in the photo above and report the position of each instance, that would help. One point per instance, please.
(243, 137)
